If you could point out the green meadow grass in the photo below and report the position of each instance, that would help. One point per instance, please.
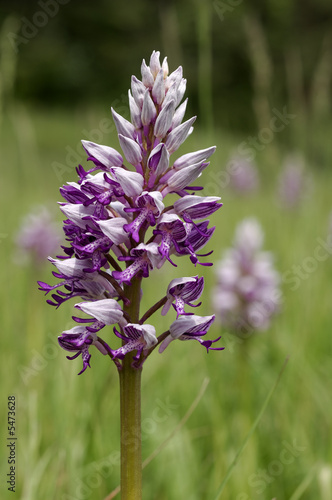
(68, 426)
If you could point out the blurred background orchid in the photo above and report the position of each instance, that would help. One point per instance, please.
(38, 237)
(247, 293)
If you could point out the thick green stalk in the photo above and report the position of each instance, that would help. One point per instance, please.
(130, 411)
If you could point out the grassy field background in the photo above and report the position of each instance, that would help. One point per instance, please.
(68, 426)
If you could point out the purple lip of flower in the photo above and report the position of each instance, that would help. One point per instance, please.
(78, 343)
(79, 340)
(77, 283)
(100, 191)
(149, 206)
(100, 245)
(198, 236)
(145, 257)
(172, 231)
(73, 194)
(183, 291)
(191, 328)
(117, 183)
(114, 205)
(136, 338)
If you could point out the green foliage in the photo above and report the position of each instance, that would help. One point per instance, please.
(69, 59)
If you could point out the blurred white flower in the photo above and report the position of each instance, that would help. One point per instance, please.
(247, 293)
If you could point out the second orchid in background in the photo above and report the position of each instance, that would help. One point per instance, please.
(247, 293)
(38, 237)
(294, 184)
(244, 177)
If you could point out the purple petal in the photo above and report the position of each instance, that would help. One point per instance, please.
(138, 91)
(135, 112)
(164, 120)
(123, 126)
(108, 311)
(197, 207)
(131, 182)
(148, 110)
(155, 63)
(158, 160)
(106, 155)
(131, 150)
(179, 135)
(182, 178)
(179, 114)
(191, 158)
(147, 77)
(113, 229)
(158, 90)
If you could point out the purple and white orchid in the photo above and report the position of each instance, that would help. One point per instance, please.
(247, 293)
(183, 291)
(191, 328)
(118, 227)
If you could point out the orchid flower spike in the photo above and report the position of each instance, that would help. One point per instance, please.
(119, 227)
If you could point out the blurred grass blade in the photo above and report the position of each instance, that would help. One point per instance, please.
(253, 428)
(304, 485)
(180, 424)
(8, 62)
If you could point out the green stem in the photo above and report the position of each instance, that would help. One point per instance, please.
(130, 410)
(153, 309)
(131, 457)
